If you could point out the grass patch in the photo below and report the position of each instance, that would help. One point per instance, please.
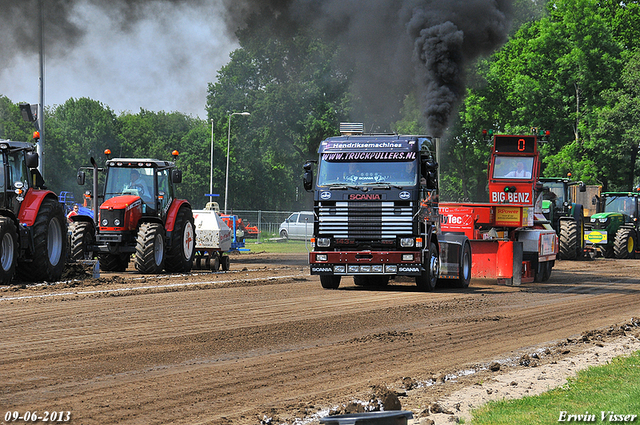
(612, 389)
(266, 245)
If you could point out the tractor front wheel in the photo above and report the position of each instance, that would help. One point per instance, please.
(81, 239)
(624, 245)
(569, 240)
(150, 248)
(8, 250)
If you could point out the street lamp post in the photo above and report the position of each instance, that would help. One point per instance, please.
(226, 182)
(211, 168)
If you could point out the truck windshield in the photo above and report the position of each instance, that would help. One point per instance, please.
(400, 173)
(130, 181)
(512, 167)
(621, 204)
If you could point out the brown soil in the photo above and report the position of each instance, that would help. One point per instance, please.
(264, 343)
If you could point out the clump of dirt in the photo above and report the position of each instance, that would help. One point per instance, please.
(380, 398)
(77, 271)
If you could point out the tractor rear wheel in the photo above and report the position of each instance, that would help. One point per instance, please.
(569, 240)
(428, 280)
(150, 248)
(114, 262)
(180, 255)
(624, 245)
(82, 236)
(49, 242)
(8, 250)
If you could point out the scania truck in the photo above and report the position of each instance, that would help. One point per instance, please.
(376, 212)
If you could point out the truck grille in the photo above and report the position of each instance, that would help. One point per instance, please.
(365, 220)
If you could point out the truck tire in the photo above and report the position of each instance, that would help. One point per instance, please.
(225, 263)
(429, 278)
(8, 250)
(82, 237)
(546, 270)
(465, 266)
(49, 234)
(569, 240)
(114, 262)
(180, 255)
(330, 282)
(624, 245)
(150, 250)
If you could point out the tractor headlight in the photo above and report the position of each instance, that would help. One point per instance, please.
(602, 220)
(116, 222)
(105, 222)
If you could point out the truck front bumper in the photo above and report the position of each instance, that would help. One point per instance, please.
(348, 263)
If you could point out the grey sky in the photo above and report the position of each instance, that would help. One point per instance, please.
(161, 59)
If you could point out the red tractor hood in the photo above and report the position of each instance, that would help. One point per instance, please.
(121, 202)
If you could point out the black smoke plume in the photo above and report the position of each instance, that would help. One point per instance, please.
(398, 44)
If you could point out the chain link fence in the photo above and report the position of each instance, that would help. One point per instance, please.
(267, 222)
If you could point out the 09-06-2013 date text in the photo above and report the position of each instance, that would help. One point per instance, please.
(46, 416)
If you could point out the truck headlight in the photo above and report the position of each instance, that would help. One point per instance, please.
(407, 257)
(323, 242)
(406, 242)
(321, 257)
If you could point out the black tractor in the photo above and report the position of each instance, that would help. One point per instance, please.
(566, 217)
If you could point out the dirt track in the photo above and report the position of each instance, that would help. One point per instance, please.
(266, 341)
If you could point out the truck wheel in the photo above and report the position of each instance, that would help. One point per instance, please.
(330, 282)
(546, 270)
(114, 262)
(225, 263)
(429, 278)
(569, 239)
(215, 263)
(624, 244)
(81, 240)
(180, 255)
(150, 248)
(465, 266)
(49, 242)
(8, 250)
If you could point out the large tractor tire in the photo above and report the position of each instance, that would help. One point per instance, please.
(49, 234)
(183, 238)
(8, 250)
(429, 279)
(150, 252)
(82, 237)
(330, 282)
(569, 240)
(114, 262)
(624, 244)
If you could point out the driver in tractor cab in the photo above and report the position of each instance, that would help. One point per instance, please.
(140, 185)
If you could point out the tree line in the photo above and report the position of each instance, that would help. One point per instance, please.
(569, 66)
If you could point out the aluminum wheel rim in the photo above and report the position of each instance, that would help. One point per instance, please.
(7, 252)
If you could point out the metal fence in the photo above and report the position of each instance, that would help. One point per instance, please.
(267, 222)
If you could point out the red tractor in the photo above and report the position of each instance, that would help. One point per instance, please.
(138, 215)
(32, 222)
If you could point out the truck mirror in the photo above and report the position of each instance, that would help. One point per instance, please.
(582, 187)
(307, 178)
(80, 178)
(31, 158)
(176, 176)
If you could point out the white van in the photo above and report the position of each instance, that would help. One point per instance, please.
(298, 225)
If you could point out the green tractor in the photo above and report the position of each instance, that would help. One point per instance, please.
(565, 216)
(614, 229)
